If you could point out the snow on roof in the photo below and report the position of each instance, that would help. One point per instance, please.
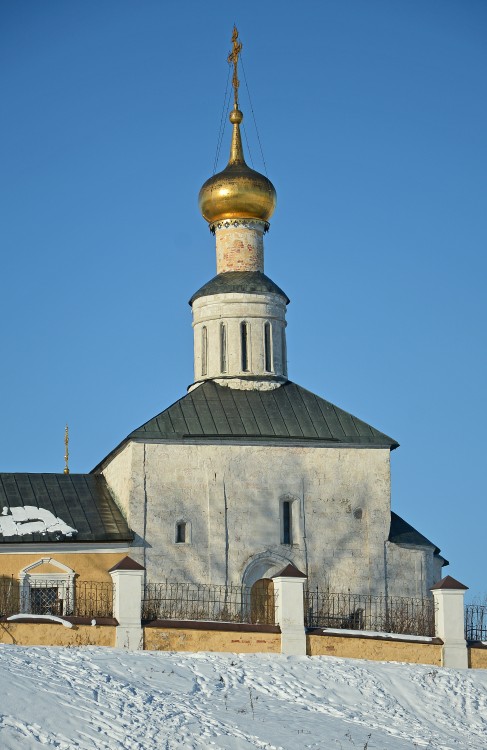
(29, 519)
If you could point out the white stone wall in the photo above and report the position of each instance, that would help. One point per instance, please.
(232, 496)
(411, 569)
(232, 310)
(118, 474)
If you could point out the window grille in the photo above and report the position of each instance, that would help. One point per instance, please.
(46, 600)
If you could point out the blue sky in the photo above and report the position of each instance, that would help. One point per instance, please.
(372, 117)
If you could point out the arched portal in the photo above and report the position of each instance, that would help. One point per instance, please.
(262, 602)
(264, 565)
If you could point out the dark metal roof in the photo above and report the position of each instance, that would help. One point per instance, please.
(290, 571)
(449, 583)
(247, 282)
(285, 413)
(82, 501)
(127, 564)
(402, 532)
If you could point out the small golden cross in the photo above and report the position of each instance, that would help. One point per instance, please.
(233, 58)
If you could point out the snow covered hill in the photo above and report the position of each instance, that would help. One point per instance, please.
(105, 698)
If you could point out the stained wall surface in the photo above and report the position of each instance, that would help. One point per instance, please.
(231, 498)
(477, 657)
(88, 566)
(374, 649)
(55, 634)
(185, 639)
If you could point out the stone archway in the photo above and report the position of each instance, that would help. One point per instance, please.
(259, 586)
(264, 565)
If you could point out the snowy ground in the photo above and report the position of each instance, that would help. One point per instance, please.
(105, 698)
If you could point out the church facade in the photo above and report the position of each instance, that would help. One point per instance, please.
(246, 473)
(249, 471)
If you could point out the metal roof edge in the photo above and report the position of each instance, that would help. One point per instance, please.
(391, 443)
(399, 528)
(229, 276)
(179, 439)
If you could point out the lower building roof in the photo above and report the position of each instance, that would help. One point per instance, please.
(59, 507)
(401, 532)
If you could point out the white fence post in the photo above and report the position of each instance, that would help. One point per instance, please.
(289, 589)
(450, 621)
(127, 577)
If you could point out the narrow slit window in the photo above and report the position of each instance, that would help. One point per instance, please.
(180, 532)
(244, 336)
(223, 347)
(286, 523)
(267, 347)
(204, 350)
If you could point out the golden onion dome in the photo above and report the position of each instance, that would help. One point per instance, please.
(237, 192)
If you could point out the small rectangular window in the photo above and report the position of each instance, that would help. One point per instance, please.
(286, 523)
(180, 533)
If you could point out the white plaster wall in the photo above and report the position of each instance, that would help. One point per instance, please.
(411, 571)
(232, 496)
(233, 309)
(118, 474)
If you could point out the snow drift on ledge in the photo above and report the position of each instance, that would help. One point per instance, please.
(109, 699)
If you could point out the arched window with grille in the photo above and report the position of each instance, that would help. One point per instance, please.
(223, 347)
(244, 343)
(267, 347)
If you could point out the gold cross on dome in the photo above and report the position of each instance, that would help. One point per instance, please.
(233, 59)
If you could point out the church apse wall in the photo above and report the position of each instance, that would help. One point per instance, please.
(415, 568)
(231, 501)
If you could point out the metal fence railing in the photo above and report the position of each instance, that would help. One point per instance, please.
(56, 597)
(384, 614)
(192, 601)
(476, 622)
